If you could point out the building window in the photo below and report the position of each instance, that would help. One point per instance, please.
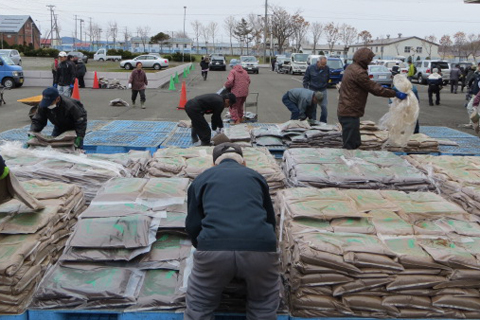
(407, 49)
(176, 46)
(376, 49)
(326, 52)
(419, 49)
(184, 45)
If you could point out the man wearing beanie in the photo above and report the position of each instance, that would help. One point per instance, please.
(231, 223)
(302, 103)
(64, 113)
(213, 104)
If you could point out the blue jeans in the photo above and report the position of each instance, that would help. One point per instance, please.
(323, 106)
(291, 106)
(65, 91)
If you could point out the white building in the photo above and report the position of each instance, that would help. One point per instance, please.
(390, 48)
(337, 50)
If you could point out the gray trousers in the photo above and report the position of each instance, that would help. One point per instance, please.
(213, 270)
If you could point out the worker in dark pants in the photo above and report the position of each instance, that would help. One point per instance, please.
(213, 104)
(63, 112)
(353, 97)
(231, 223)
(302, 102)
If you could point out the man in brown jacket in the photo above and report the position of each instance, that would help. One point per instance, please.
(353, 97)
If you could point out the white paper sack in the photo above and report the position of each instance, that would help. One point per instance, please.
(402, 116)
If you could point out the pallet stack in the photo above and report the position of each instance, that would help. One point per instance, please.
(366, 253)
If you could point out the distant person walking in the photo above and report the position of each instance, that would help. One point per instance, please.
(238, 81)
(455, 74)
(54, 69)
(411, 70)
(204, 64)
(273, 61)
(138, 82)
(316, 78)
(81, 71)
(434, 86)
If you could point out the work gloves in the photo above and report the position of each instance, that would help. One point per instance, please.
(3, 169)
(78, 142)
(219, 130)
(71, 86)
(401, 95)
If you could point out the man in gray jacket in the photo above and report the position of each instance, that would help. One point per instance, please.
(454, 77)
(302, 103)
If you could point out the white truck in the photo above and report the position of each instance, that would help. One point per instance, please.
(101, 55)
(299, 63)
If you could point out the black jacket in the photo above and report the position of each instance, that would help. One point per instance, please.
(68, 115)
(66, 73)
(81, 68)
(204, 65)
(229, 209)
(210, 103)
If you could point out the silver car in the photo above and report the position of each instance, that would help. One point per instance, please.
(12, 54)
(425, 68)
(147, 60)
(380, 74)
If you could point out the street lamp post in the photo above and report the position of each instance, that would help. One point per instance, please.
(265, 33)
(184, 35)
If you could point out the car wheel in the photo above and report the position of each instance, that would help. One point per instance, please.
(258, 71)
(157, 67)
(8, 83)
(101, 60)
(128, 66)
(224, 68)
(19, 85)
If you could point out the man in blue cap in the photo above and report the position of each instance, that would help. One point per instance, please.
(64, 113)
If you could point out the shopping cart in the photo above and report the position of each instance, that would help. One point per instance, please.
(2, 90)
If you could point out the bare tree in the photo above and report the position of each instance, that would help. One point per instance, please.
(257, 24)
(197, 30)
(96, 33)
(206, 36)
(213, 29)
(460, 40)
(143, 33)
(317, 30)
(300, 27)
(348, 34)
(282, 27)
(180, 34)
(473, 46)
(243, 33)
(445, 45)
(126, 36)
(332, 34)
(428, 44)
(366, 37)
(113, 28)
(229, 25)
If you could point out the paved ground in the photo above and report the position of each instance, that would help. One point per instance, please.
(161, 103)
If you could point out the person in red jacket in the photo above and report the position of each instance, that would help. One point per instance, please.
(138, 82)
(238, 82)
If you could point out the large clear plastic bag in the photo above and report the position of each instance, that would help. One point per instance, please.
(401, 118)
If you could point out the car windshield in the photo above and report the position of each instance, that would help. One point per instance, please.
(7, 59)
(335, 64)
(248, 59)
(377, 69)
(300, 57)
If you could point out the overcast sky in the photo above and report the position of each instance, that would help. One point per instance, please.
(380, 17)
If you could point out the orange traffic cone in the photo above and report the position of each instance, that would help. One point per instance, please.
(76, 93)
(183, 97)
(95, 82)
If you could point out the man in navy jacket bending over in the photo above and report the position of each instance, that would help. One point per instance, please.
(231, 222)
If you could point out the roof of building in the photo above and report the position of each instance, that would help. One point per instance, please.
(13, 23)
(386, 42)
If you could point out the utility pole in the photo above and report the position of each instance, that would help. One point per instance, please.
(50, 6)
(265, 33)
(184, 34)
(90, 31)
(81, 21)
(75, 38)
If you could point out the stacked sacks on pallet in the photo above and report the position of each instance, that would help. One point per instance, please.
(367, 253)
(128, 250)
(351, 169)
(65, 141)
(31, 240)
(457, 178)
(89, 172)
(239, 134)
(190, 162)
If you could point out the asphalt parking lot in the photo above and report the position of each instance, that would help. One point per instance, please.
(162, 104)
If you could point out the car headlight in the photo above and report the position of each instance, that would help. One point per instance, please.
(15, 73)
(341, 72)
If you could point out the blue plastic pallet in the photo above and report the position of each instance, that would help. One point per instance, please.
(95, 125)
(139, 126)
(23, 316)
(120, 142)
(466, 147)
(443, 132)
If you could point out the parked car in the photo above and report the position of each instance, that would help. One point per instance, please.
(217, 63)
(13, 54)
(299, 63)
(391, 63)
(147, 60)
(425, 68)
(336, 70)
(249, 63)
(79, 55)
(11, 75)
(282, 65)
(463, 65)
(101, 55)
(380, 74)
(233, 63)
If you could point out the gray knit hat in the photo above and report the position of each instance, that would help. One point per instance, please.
(225, 148)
